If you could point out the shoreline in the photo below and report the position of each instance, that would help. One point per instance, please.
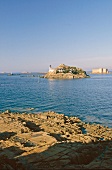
(53, 141)
(32, 110)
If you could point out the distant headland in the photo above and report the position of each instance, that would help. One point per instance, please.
(65, 72)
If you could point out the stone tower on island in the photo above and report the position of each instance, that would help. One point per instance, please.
(100, 71)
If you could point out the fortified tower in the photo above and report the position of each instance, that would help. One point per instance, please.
(100, 71)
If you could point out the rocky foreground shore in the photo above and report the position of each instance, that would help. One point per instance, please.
(52, 141)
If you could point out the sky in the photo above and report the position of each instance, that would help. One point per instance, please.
(37, 33)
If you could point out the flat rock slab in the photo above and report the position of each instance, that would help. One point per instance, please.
(39, 138)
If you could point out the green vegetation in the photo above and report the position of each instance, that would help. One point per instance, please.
(68, 69)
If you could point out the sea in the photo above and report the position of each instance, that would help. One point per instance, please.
(90, 99)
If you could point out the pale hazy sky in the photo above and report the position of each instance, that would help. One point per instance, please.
(37, 33)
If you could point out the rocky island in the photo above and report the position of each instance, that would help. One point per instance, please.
(52, 141)
(65, 72)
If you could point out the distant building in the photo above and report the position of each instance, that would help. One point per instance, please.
(100, 71)
(51, 69)
(59, 69)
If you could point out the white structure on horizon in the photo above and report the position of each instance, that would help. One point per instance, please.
(51, 69)
(100, 71)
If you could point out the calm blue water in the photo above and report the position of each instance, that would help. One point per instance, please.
(90, 99)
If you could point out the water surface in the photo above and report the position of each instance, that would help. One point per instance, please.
(90, 99)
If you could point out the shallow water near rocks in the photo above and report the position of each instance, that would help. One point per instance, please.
(89, 99)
